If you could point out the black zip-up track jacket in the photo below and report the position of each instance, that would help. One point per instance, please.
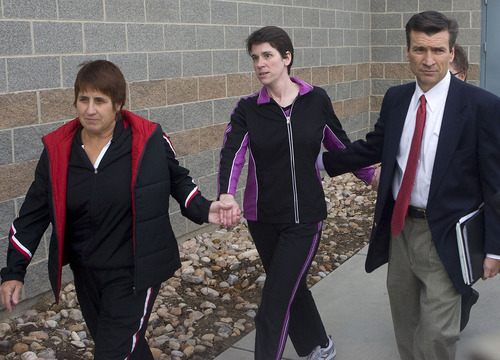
(156, 175)
(283, 183)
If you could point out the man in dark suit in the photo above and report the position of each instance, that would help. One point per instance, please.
(438, 142)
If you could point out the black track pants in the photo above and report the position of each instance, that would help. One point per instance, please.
(116, 316)
(287, 306)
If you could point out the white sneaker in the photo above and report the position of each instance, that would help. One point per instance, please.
(320, 353)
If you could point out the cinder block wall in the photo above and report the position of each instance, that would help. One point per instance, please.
(186, 67)
(388, 41)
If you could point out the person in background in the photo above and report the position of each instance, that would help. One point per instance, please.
(104, 181)
(283, 127)
(437, 140)
(460, 65)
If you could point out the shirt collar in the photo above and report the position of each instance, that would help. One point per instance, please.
(436, 95)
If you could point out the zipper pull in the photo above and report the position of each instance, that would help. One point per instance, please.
(288, 119)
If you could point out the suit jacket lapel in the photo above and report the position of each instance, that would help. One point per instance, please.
(451, 128)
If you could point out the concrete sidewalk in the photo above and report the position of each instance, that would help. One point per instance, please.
(355, 309)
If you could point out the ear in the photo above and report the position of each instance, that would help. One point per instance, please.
(407, 52)
(288, 58)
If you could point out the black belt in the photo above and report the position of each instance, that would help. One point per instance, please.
(416, 212)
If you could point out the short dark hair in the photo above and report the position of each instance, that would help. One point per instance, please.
(103, 76)
(431, 22)
(276, 37)
(460, 61)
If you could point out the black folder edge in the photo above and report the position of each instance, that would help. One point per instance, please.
(463, 246)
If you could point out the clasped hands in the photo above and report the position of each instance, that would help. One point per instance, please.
(225, 212)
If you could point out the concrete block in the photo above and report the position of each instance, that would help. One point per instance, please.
(29, 73)
(224, 12)
(328, 56)
(180, 37)
(363, 5)
(350, 5)
(336, 37)
(235, 36)
(195, 11)
(364, 38)
(70, 67)
(380, 86)
(319, 4)
(178, 223)
(388, 53)
(250, 14)
(133, 66)
(344, 55)
(358, 55)
(16, 38)
(105, 37)
(223, 109)
(313, 57)
(441, 5)
(293, 15)
(7, 215)
(246, 64)
(343, 19)
(463, 18)
(81, 10)
(405, 6)
(28, 141)
(358, 21)
(3, 76)
(225, 62)
(145, 37)
(209, 37)
(163, 11)
(331, 90)
(302, 37)
(343, 91)
(327, 18)
(200, 164)
(170, 118)
(360, 88)
(196, 63)
(6, 147)
(198, 115)
(208, 186)
(272, 15)
(125, 10)
(387, 21)
(37, 280)
(56, 38)
(164, 65)
(143, 113)
(30, 9)
(319, 37)
(378, 6)
(350, 37)
(311, 17)
(396, 37)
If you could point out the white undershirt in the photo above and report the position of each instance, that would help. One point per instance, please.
(101, 154)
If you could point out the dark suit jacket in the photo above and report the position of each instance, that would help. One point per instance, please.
(466, 169)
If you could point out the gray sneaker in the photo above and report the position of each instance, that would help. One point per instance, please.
(320, 353)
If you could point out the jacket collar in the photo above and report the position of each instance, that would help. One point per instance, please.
(303, 89)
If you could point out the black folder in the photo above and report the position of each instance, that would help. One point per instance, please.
(470, 240)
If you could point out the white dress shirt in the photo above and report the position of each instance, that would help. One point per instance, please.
(436, 99)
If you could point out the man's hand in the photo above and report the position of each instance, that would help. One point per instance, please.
(491, 267)
(9, 293)
(225, 212)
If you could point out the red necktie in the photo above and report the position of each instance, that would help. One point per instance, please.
(404, 194)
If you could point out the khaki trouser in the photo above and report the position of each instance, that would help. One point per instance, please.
(425, 305)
